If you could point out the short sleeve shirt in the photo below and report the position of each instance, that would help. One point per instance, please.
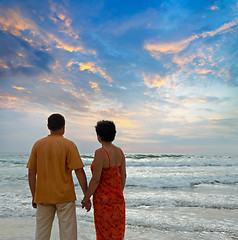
(53, 158)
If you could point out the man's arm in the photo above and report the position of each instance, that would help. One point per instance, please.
(97, 170)
(80, 174)
(32, 184)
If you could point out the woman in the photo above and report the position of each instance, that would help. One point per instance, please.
(107, 184)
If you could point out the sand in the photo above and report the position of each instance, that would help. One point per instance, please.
(24, 228)
(20, 228)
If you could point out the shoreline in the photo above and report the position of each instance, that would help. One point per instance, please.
(20, 228)
(23, 228)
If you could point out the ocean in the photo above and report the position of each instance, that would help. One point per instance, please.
(167, 196)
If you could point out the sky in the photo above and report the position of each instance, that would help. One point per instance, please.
(165, 71)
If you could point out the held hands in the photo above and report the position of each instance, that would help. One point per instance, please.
(86, 204)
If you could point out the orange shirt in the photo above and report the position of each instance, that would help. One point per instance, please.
(54, 157)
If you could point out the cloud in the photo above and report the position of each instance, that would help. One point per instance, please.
(60, 57)
(63, 22)
(21, 54)
(227, 27)
(13, 22)
(19, 57)
(19, 88)
(94, 86)
(125, 122)
(203, 71)
(168, 48)
(203, 63)
(214, 7)
(91, 67)
(48, 97)
(12, 101)
(3, 64)
(184, 59)
(156, 49)
(155, 80)
(70, 46)
(27, 48)
(195, 100)
(224, 122)
(51, 79)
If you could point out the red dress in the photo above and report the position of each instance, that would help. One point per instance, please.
(109, 205)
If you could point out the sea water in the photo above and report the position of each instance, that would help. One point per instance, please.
(167, 196)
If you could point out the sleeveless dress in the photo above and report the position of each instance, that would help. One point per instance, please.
(109, 204)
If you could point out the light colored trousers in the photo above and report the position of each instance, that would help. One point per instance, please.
(66, 213)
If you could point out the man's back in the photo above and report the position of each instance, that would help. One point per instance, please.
(54, 157)
(50, 167)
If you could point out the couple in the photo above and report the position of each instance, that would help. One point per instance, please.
(50, 168)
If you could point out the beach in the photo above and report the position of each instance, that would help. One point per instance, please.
(167, 197)
(13, 228)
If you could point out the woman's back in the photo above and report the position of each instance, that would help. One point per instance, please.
(107, 184)
(110, 180)
(112, 157)
(108, 199)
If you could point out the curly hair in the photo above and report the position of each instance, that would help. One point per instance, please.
(106, 130)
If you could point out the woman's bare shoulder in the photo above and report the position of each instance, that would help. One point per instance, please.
(99, 151)
(118, 149)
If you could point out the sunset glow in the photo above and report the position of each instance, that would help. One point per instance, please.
(165, 71)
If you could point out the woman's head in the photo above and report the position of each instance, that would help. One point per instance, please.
(106, 130)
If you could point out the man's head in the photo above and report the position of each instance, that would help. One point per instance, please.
(56, 122)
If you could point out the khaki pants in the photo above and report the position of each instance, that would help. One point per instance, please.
(66, 213)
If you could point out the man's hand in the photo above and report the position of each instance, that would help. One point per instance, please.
(34, 205)
(87, 205)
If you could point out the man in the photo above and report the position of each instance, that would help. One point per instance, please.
(50, 168)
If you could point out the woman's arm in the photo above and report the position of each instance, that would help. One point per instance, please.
(97, 170)
(123, 172)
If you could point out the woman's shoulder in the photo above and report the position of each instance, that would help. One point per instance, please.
(102, 152)
(115, 146)
(118, 149)
(99, 152)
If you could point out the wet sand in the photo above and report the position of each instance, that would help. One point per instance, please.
(20, 228)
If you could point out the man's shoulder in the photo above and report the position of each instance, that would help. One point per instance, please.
(68, 141)
(70, 146)
(41, 140)
(63, 140)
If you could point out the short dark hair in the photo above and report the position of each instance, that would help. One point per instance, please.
(106, 130)
(56, 121)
